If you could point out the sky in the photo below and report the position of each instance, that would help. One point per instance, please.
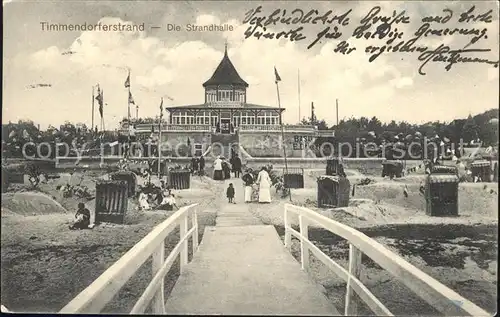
(176, 63)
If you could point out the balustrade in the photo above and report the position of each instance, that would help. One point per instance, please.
(101, 291)
(433, 292)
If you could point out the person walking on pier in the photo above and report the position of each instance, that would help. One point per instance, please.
(264, 182)
(218, 175)
(248, 181)
(236, 165)
(230, 194)
(194, 166)
(226, 169)
(201, 165)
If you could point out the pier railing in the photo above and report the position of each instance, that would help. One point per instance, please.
(94, 298)
(433, 292)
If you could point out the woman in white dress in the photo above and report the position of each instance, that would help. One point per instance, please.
(264, 182)
(143, 201)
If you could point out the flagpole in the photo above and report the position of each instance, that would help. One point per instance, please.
(93, 101)
(102, 116)
(102, 120)
(337, 109)
(159, 140)
(128, 111)
(282, 134)
(298, 84)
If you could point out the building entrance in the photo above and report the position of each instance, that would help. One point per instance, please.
(225, 126)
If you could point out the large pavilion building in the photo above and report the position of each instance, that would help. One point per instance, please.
(226, 119)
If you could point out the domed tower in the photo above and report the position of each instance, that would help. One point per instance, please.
(225, 86)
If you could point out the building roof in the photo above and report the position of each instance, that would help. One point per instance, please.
(246, 106)
(225, 74)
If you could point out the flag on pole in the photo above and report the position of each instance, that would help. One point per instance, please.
(131, 99)
(101, 107)
(100, 99)
(278, 78)
(127, 81)
(161, 108)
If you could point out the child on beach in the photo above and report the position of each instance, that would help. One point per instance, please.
(230, 193)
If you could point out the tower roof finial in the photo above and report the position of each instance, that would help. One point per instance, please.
(225, 48)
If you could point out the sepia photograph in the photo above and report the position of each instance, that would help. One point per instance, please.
(330, 158)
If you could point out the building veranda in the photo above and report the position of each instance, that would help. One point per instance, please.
(226, 117)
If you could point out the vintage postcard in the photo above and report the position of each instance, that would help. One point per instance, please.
(250, 157)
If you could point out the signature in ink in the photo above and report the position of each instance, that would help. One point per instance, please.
(445, 54)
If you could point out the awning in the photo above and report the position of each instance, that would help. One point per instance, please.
(480, 164)
(443, 179)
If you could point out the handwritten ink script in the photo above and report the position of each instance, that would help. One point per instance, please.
(376, 33)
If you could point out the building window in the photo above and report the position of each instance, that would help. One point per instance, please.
(236, 120)
(203, 117)
(247, 118)
(267, 118)
(183, 117)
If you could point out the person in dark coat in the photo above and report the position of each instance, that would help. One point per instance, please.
(230, 193)
(236, 165)
(194, 165)
(201, 164)
(226, 169)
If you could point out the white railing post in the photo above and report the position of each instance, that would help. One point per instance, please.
(158, 305)
(288, 234)
(304, 250)
(182, 233)
(351, 307)
(195, 233)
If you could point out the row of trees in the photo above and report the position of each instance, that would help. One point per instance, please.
(483, 126)
(16, 135)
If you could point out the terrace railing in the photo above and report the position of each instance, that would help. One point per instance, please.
(259, 127)
(147, 127)
(433, 292)
(188, 127)
(276, 127)
(94, 298)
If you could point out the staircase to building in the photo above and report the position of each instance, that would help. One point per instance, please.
(223, 143)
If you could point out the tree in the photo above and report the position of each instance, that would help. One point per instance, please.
(374, 125)
(321, 124)
(470, 130)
